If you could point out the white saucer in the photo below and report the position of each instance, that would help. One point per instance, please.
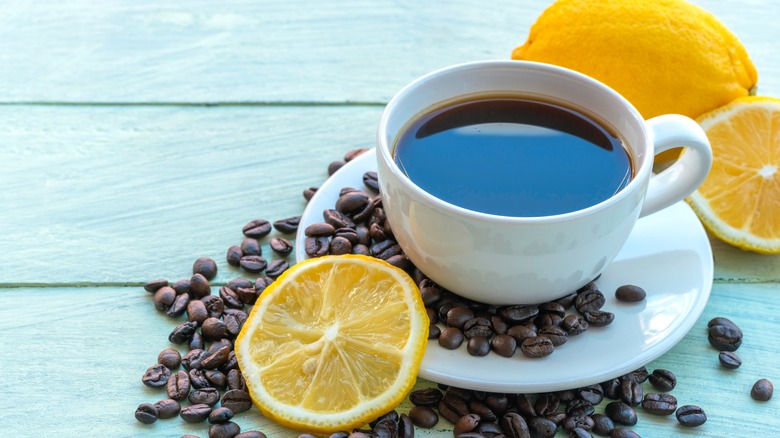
(668, 254)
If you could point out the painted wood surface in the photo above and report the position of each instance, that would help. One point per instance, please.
(268, 51)
(242, 105)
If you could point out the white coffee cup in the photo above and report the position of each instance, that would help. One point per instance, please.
(529, 260)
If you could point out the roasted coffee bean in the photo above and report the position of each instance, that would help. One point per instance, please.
(389, 251)
(167, 408)
(514, 426)
(320, 229)
(213, 329)
(248, 295)
(524, 406)
(602, 425)
(287, 225)
(216, 359)
(579, 432)
(729, 359)
(567, 395)
(276, 268)
(316, 246)
(483, 410)
(690, 416)
(153, 285)
(478, 326)
(663, 380)
(215, 307)
(363, 232)
(458, 316)
(579, 408)
(224, 430)
(257, 228)
(198, 378)
(377, 233)
(196, 342)
(195, 413)
(541, 427)
(352, 202)
(253, 263)
(611, 389)
(231, 364)
(500, 326)
(725, 337)
(556, 417)
(371, 180)
(365, 213)
(179, 306)
(659, 404)
(333, 435)
(639, 375)
(503, 345)
(465, 424)
(251, 434)
(459, 393)
(536, 347)
(235, 380)
(554, 333)
(598, 318)
(392, 415)
(521, 332)
(183, 332)
(199, 286)
(489, 429)
(589, 301)
(517, 314)
(309, 193)
(621, 413)
(334, 166)
(337, 219)
(574, 324)
(623, 432)
(358, 434)
(220, 415)
(553, 307)
(762, 390)
(405, 427)
(434, 332)
(546, 403)
(216, 378)
(630, 293)
(567, 301)
(456, 404)
(178, 387)
(577, 422)
(478, 346)
(425, 397)
(219, 343)
(281, 246)
(339, 246)
(251, 247)
(170, 358)
(205, 267)
(182, 286)
(236, 400)
(593, 394)
(146, 413)
(451, 338)
(234, 320)
(547, 320)
(348, 233)
(631, 392)
(448, 413)
(719, 320)
(238, 283)
(234, 254)
(361, 249)
(156, 376)
(193, 358)
(423, 416)
(400, 261)
(230, 298)
(354, 153)
(207, 396)
(386, 428)
(163, 298)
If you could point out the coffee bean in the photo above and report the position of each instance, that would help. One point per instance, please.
(198, 378)
(553, 307)
(729, 360)
(546, 403)
(231, 364)
(556, 417)
(287, 225)
(276, 268)
(156, 376)
(639, 375)
(465, 424)
(762, 390)
(602, 425)
(234, 321)
(163, 298)
(182, 286)
(213, 329)
(199, 286)
(598, 318)
(237, 400)
(725, 337)
(309, 193)
(690, 416)
(482, 410)
(234, 254)
(153, 285)
(541, 427)
(579, 408)
(196, 311)
(489, 429)
(503, 345)
(451, 338)
(425, 397)
(216, 378)
(167, 408)
(354, 153)
(224, 430)
(251, 434)
(457, 316)
(220, 415)
(170, 358)
(371, 180)
(457, 405)
(235, 380)
(316, 246)
(517, 314)
(405, 427)
(339, 246)
(206, 267)
(238, 283)
(434, 332)
(537, 346)
(230, 298)
(248, 295)
(179, 306)
(524, 406)
(207, 396)
(195, 413)
(721, 321)
(589, 301)
(334, 166)
(478, 346)
(281, 246)
(547, 320)
(253, 263)
(631, 392)
(621, 413)
(216, 359)
(352, 202)
(577, 422)
(521, 332)
(659, 404)
(251, 247)
(320, 229)
(663, 380)
(178, 387)
(567, 395)
(386, 428)
(623, 432)
(514, 426)
(146, 413)
(593, 394)
(423, 416)
(193, 359)
(478, 327)
(196, 342)
(630, 293)
(257, 228)
(555, 334)
(579, 432)
(611, 389)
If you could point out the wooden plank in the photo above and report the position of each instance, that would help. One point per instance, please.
(307, 50)
(78, 355)
(108, 195)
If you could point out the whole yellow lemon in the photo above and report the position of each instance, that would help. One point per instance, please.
(664, 56)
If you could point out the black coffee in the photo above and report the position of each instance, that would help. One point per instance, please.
(513, 156)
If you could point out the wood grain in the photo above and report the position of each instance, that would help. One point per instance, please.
(270, 51)
(78, 355)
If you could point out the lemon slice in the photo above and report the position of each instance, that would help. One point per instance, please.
(739, 202)
(333, 343)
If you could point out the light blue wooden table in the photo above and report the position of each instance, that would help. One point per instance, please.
(138, 136)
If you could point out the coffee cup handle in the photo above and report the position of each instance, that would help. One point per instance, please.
(688, 172)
